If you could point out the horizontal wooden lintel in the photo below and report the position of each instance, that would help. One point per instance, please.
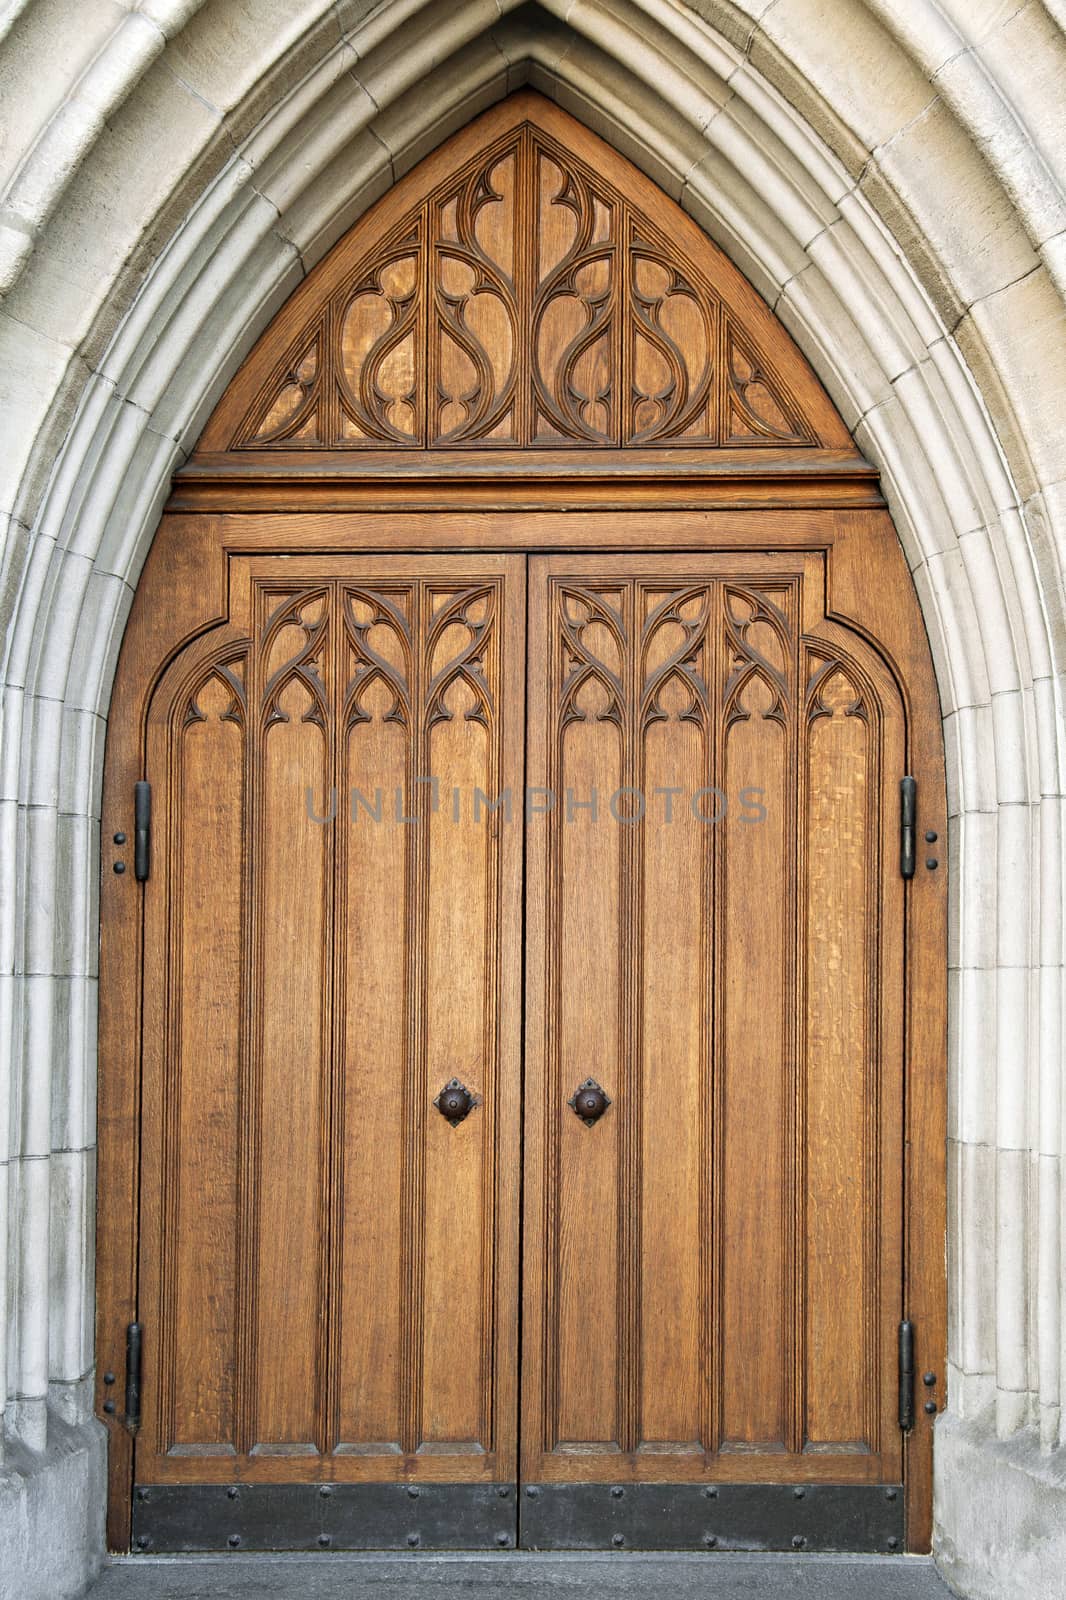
(360, 480)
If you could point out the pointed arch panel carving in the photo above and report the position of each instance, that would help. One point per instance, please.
(525, 287)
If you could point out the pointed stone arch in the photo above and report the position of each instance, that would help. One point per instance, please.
(971, 481)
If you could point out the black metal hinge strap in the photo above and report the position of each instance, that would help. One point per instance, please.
(906, 1375)
(908, 822)
(142, 831)
(133, 1376)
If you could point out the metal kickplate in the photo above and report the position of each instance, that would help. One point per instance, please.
(173, 1518)
(311, 1516)
(749, 1516)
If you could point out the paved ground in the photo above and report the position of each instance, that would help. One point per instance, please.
(521, 1577)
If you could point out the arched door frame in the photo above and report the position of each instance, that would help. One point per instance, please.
(822, 497)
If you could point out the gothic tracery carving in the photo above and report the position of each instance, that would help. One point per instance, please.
(524, 302)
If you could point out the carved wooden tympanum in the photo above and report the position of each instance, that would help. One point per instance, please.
(524, 301)
(529, 296)
(524, 673)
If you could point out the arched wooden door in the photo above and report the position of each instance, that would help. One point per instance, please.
(507, 906)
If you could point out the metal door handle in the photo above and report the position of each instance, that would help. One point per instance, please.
(589, 1102)
(455, 1102)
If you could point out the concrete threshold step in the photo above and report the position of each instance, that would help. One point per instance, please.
(521, 1576)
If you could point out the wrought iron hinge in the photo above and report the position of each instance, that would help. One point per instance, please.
(908, 823)
(132, 1418)
(906, 1375)
(142, 831)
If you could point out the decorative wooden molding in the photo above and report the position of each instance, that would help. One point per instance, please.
(525, 291)
(600, 479)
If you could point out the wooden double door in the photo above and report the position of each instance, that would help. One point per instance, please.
(522, 1053)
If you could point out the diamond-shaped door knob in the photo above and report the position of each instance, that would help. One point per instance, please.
(589, 1102)
(455, 1102)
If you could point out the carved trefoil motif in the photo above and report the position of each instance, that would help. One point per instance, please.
(526, 301)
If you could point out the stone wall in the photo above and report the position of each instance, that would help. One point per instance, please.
(890, 174)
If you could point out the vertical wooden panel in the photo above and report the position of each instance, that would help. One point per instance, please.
(292, 1047)
(585, 1245)
(756, 1218)
(673, 1089)
(460, 933)
(375, 929)
(201, 1313)
(673, 1082)
(840, 944)
(755, 1106)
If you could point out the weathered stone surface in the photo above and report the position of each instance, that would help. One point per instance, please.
(51, 1505)
(524, 1577)
(1017, 66)
(841, 49)
(945, 182)
(994, 1496)
(222, 51)
(133, 168)
(1021, 332)
(43, 56)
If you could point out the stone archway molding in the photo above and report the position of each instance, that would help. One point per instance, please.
(884, 177)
